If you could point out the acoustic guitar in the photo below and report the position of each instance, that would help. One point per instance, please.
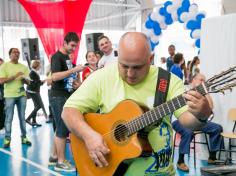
(119, 127)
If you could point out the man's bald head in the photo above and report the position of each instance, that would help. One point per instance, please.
(197, 79)
(134, 56)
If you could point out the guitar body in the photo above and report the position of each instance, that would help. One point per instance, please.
(108, 125)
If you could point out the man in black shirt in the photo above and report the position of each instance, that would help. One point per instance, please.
(63, 75)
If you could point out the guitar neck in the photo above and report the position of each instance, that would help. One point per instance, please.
(157, 113)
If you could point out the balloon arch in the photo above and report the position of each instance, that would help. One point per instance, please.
(171, 11)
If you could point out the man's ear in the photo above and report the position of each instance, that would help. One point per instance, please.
(151, 59)
(64, 43)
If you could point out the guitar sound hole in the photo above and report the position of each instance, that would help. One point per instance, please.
(121, 133)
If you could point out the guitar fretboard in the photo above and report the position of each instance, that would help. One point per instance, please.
(159, 112)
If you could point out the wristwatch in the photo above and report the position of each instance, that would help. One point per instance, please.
(207, 119)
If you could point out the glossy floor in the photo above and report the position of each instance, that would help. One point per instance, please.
(21, 160)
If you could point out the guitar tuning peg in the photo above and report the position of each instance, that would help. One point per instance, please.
(230, 89)
(223, 92)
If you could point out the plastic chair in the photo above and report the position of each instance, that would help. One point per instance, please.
(230, 135)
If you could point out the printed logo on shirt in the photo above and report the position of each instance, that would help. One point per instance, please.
(70, 79)
(163, 156)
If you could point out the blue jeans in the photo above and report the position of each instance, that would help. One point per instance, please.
(57, 104)
(20, 103)
(211, 128)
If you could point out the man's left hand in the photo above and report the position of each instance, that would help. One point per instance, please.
(197, 104)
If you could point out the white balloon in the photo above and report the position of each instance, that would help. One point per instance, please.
(184, 16)
(163, 26)
(174, 16)
(196, 33)
(177, 3)
(193, 8)
(185, 25)
(160, 18)
(157, 9)
(192, 15)
(154, 38)
(148, 32)
(154, 16)
(170, 8)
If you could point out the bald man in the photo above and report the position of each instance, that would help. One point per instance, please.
(132, 78)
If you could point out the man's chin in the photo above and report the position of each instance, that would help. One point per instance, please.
(132, 82)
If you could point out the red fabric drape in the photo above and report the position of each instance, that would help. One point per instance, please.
(54, 19)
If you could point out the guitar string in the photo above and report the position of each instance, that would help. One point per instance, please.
(128, 125)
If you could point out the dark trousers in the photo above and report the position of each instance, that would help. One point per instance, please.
(211, 128)
(38, 103)
(2, 113)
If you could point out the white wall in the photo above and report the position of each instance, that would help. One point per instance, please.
(218, 53)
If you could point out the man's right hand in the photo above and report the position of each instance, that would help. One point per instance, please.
(97, 149)
(78, 68)
(18, 74)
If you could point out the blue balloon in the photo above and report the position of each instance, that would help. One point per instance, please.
(191, 34)
(153, 45)
(168, 19)
(167, 3)
(180, 11)
(197, 43)
(162, 11)
(156, 28)
(191, 24)
(185, 5)
(200, 16)
(149, 24)
(197, 25)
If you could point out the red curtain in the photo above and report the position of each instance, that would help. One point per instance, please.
(54, 19)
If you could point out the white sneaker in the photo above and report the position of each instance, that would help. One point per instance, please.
(2, 131)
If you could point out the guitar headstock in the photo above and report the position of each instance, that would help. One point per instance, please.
(221, 82)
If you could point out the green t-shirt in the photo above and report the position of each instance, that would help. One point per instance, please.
(105, 89)
(14, 88)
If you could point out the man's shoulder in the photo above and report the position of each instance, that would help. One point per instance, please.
(58, 54)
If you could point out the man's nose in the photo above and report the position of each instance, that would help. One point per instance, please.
(130, 72)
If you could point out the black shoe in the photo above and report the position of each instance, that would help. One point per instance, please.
(28, 121)
(35, 124)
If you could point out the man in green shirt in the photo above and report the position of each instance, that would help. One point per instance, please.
(132, 78)
(14, 75)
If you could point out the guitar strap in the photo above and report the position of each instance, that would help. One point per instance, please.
(162, 87)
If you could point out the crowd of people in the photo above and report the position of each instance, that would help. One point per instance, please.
(129, 72)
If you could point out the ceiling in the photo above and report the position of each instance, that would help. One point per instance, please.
(102, 14)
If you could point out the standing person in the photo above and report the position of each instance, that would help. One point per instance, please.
(163, 63)
(109, 54)
(2, 112)
(194, 66)
(33, 89)
(176, 67)
(63, 74)
(132, 78)
(187, 135)
(170, 59)
(92, 64)
(14, 75)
